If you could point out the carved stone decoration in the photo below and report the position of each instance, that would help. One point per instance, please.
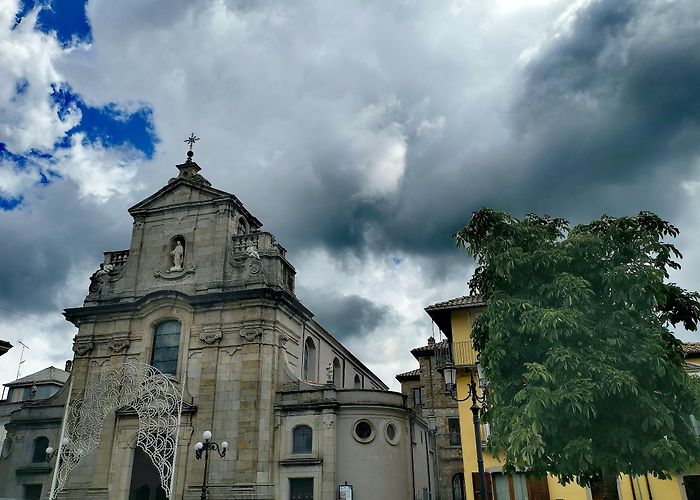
(238, 260)
(252, 252)
(328, 422)
(231, 350)
(255, 267)
(251, 335)
(118, 344)
(81, 348)
(211, 335)
(284, 338)
(100, 279)
(174, 275)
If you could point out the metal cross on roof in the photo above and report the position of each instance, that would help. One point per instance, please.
(191, 140)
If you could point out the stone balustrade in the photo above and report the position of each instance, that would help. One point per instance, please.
(116, 259)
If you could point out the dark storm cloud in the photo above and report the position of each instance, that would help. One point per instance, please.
(602, 118)
(610, 109)
(47, 238)
(605, 118)
(345, 316)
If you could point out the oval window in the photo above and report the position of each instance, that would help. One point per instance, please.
(392, 433)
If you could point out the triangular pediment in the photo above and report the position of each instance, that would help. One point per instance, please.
(190, 189)
(182, 192)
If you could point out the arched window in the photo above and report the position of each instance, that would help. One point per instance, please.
(145, 478)
(309, 360)
(40, 445)
(337, 373)
(458, 487)
(357, 382)
(166, 345)
(302, 437)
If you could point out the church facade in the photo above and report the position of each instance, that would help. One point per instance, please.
(205, 297)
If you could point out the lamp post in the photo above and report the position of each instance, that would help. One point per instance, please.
(203, 449)
(50, 452)
(451, 386)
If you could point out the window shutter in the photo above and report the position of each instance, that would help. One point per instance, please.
(477, 486)
(537, 488)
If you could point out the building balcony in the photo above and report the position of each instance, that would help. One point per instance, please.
(458, 354)
(116, 259)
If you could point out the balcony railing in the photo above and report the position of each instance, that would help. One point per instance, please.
(116, 259)
(459, 354)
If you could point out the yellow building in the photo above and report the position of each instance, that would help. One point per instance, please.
(455, 317)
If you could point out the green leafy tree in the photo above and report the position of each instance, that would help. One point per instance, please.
(585, 379)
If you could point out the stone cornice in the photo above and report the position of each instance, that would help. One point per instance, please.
(77, 314)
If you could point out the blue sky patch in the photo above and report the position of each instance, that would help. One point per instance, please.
(115, 128)
(67, 18)
(7, 204)
(108, 125)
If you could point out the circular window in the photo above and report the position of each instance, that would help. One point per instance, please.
(392, 433)
(363, 431)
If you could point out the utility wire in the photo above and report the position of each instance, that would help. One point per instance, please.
(27, 317)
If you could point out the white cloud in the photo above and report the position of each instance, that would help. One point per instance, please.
(14, 181)
(99, 172)
(314, 113)
(404, 289)
(29, 119)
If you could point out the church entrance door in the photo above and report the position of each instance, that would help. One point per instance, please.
(145, 479)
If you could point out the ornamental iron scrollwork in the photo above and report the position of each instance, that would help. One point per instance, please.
(154, 398)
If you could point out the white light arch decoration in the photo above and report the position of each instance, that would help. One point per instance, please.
(157, 402)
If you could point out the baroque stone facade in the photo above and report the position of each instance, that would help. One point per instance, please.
(208, 298)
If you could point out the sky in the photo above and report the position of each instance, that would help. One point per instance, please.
(361, 133)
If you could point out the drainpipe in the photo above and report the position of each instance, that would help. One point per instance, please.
(427, 465)
(413, 467)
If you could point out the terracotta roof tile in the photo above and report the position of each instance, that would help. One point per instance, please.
(430, 347)
(411, 374)
(691, 349)
(457, 303)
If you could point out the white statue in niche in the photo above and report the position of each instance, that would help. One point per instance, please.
(329, 373)
(178, 254)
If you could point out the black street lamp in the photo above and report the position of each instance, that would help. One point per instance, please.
(203, 449)
(450, 374)
(50, 452)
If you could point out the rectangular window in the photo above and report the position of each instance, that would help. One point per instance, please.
(301, 488)
(519, 487)
(417, 396)
(302, 439)
(166, 344)
(453, 431)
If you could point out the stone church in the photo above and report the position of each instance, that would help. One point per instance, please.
(205, 300)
